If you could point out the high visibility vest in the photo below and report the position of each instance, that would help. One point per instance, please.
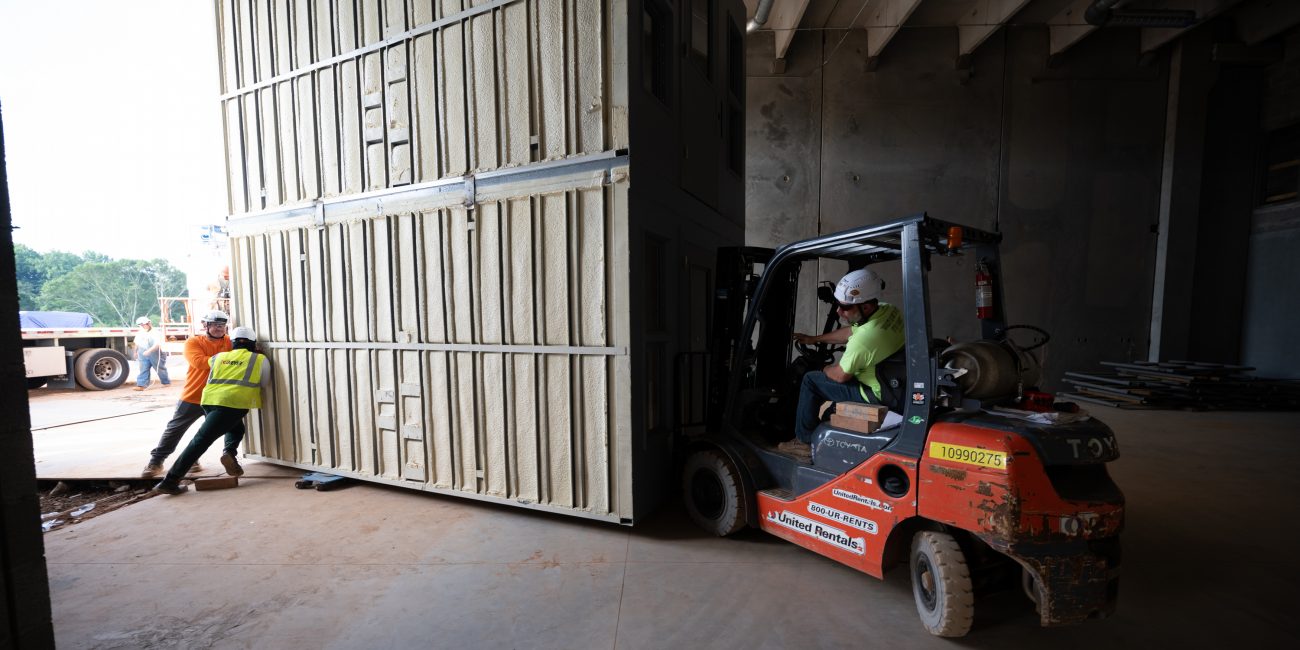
(234, 381)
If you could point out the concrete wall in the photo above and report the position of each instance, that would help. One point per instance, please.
(1065, 161)
(1272, 299)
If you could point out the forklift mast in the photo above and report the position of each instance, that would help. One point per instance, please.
(738, 272)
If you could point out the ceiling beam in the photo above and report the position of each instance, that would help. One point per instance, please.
(984, 18)
(1153, 38)
(884, 17)
(1068, 27)
(783, 21)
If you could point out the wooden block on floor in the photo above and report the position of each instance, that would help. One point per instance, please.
(216, 483)
(872, 412)
(853, 424)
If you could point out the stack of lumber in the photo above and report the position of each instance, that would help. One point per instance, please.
(855, 416)
(1182, 385)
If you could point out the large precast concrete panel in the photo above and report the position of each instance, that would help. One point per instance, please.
(436, 233)
(475, 351)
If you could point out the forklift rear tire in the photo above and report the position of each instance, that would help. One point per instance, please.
(941, 584)
(712, 490)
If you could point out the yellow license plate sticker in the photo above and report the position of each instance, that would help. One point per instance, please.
(969, 455)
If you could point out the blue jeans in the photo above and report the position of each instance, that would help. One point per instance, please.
(818, 388)
(156, 361)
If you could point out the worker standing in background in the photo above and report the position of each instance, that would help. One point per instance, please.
(149, 354)
(234, 387)
(198, 349)
(874, 333)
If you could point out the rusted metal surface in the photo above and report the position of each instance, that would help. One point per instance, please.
(1012, 504)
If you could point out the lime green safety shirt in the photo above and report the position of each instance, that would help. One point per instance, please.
(870, 343)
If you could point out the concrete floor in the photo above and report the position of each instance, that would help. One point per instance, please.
(1208, 560)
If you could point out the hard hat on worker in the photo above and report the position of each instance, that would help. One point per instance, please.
(243, 333)
(857, 287)
(143, 320)
(215, 316)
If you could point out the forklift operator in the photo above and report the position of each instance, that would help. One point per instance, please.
(875, 332)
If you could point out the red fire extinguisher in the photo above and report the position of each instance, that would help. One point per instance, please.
(983, 292)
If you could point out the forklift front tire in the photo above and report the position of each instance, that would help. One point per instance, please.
(711, 487)
(941, 584)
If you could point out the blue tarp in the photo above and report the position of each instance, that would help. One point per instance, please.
(54, 319)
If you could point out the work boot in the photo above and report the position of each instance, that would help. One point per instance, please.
(796, 448)
(195, 469)
(231, 464)
(152, 470)
(169, 488)
(138, 388)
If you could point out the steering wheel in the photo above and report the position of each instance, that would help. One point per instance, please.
(816, 355)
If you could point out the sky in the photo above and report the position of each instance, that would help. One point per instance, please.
(112, 123)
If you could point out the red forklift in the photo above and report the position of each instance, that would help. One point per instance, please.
(971, 488)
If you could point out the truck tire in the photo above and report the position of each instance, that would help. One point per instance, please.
(100, 369)
(941, 584)
(712, 490)
(36, 382)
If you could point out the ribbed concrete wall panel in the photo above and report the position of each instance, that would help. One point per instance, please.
(466, 350)
(331, 99)
(433, 231)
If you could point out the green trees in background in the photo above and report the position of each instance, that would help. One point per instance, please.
(113, 292)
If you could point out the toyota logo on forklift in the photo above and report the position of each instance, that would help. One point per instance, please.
(965, 473)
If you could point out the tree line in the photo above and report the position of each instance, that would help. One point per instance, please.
(113, 292)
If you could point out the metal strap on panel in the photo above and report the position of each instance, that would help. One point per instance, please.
(373, 47)
(441, 193)
(452, 347)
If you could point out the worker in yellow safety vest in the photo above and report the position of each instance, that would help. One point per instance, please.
(235, 384)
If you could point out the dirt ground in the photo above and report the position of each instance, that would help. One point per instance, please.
(53, 411)
(64, 504)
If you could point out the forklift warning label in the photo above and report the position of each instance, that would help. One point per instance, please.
(820, 531)
(969, 455)
(842, 517)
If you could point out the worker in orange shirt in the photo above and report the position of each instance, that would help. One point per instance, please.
(198, 350)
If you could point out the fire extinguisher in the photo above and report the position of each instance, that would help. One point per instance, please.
(983, 292)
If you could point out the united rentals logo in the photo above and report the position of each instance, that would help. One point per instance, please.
(819, 531)
(859, 499)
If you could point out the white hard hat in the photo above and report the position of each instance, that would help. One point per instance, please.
(215, 316)
(243, 333)
(143, 320)
(857, 287)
